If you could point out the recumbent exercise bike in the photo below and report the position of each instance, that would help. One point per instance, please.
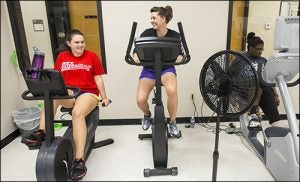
(56, 154)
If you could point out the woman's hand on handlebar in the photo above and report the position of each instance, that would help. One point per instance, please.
(105, 102)
(136, 58)
(179, 59)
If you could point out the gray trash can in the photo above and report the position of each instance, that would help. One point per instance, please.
(27, 120)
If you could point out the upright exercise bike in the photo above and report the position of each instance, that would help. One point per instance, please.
(158, 52)
(56, 154)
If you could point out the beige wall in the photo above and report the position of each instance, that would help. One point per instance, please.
(12, 84)
(260, 13)
(39, 39)
(203, 22)
(121, 80)
(205, 26)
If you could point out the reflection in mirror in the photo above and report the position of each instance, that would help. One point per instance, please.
(85, 16)
(289, 8)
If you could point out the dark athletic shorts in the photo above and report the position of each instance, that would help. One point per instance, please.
(150, 73)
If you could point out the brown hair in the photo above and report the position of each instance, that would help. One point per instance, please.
(73, 32)
(69, 36)
(166, 12)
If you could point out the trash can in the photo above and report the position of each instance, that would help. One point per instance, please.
(27, 120)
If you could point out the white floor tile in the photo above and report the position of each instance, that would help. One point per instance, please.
(126, 158)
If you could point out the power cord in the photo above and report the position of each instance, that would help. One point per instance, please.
(208, 127)
(195, 114)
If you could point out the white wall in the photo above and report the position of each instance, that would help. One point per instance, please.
(205, 26)
(259, 15)
(12, 84)
(204, 23)
(39, 39)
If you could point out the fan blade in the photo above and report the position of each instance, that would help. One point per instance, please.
(216, 68)
(239, 91)
(238, 100)
(235, 68)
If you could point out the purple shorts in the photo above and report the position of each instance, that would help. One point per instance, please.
(150, 73)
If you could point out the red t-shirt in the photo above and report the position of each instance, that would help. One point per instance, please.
(80, 71)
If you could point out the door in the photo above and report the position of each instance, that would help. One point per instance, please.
(239, 25)
(84, 17)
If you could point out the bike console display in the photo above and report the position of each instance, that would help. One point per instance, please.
(50, 81)
(146, 46)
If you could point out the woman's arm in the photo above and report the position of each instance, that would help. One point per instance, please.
(277, 100)
(100, 85)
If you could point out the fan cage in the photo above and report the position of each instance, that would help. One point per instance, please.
(229, 77)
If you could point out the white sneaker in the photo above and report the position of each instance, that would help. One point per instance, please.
(254, 121)
(146, 122)
(173, 130)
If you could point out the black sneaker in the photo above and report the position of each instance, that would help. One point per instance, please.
(78, 170)
(34, 140)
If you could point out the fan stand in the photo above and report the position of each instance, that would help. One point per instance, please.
(216, 152)
(228, 84)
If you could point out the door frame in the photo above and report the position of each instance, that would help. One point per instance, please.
(19, 36)
(245, 24)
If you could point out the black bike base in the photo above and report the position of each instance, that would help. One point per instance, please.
(255, 129)
(142, 136)
(160, 171)
(103, 143)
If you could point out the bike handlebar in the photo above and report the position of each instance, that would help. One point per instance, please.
(129, 59)
(263, 82)
(75, 90)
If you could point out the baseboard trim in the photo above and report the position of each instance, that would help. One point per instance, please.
(11, 137)
(134, 121)
(112, 122)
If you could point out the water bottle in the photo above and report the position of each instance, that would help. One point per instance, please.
(192, 122)
(37, 63)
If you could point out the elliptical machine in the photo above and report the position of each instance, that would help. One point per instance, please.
(280, 148)
(56, 154)
(158, 52)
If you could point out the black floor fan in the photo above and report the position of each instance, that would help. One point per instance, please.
(228, 85)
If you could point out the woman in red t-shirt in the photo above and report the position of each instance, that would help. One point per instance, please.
(83, 69)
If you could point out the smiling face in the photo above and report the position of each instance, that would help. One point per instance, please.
(77, 44)
(157, 21)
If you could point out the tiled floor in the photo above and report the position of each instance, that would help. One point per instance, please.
(126, 158)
